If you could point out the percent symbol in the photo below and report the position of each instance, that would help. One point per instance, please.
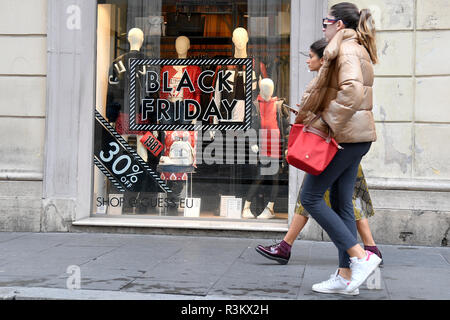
(136, 172)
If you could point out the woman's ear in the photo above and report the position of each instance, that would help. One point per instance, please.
(340, 25)
(321, 60)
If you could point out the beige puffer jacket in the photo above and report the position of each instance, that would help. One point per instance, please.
(342, 92)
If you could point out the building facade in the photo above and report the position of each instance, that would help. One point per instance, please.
(57, 79)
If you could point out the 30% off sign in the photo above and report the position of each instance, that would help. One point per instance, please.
(122, 166)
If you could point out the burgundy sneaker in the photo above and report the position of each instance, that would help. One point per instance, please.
(274, 252)
(375, 250)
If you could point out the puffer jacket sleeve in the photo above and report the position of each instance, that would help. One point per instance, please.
(350, 92)
(303, 110)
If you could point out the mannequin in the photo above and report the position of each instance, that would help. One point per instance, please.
(119, 85)
(238, 95)
(175, 179)
(118, 105)
(266, 88)
(136, 39)
(240, 40)
(182, 46)
(268, 119)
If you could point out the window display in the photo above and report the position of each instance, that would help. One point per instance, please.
(190, 117)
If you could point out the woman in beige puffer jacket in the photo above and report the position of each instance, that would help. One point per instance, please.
(342, 91)
(341, 95)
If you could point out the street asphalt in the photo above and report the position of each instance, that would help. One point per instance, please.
(150, 267)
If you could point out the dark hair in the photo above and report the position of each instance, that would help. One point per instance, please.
(360, 21)
(318, 47)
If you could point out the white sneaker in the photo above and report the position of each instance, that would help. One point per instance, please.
(247, 214)
(336, 284)
(362, 268)
(267, 214)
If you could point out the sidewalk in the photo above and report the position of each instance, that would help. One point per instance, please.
(117, 266)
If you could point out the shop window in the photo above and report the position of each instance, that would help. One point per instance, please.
(191, 116)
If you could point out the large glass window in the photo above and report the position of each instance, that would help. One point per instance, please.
(191, 116)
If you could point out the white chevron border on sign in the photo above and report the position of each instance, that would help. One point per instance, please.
(248, 62)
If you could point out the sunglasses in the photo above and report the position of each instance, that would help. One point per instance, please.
(326, 22)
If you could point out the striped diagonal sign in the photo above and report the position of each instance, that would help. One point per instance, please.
(126, 170)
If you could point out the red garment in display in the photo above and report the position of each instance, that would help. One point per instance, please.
(171, 137)
(174, 76)
(123, 124)
(270, 133)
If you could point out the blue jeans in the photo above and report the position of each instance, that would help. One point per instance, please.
(340, 177)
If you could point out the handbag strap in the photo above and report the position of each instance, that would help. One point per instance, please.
(316, 117)
(309, 128)
(318, 133)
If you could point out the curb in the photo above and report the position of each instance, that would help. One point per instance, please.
(24, 293)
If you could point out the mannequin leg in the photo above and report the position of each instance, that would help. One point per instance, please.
(246, 212)
(268, 212)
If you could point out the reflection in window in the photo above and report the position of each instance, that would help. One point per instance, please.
(213, 174)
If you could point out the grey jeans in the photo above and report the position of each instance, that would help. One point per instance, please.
(340, 176)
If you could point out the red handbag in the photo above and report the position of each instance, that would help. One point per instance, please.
(310, 149)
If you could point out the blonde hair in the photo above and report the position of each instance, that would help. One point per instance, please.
(367, 33)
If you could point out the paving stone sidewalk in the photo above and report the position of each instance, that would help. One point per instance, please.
(118, 266)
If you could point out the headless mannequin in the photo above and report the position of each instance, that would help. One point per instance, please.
(266, 91)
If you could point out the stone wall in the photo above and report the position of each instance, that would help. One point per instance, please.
(408, 167)
(411, 89)
(23, 69)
